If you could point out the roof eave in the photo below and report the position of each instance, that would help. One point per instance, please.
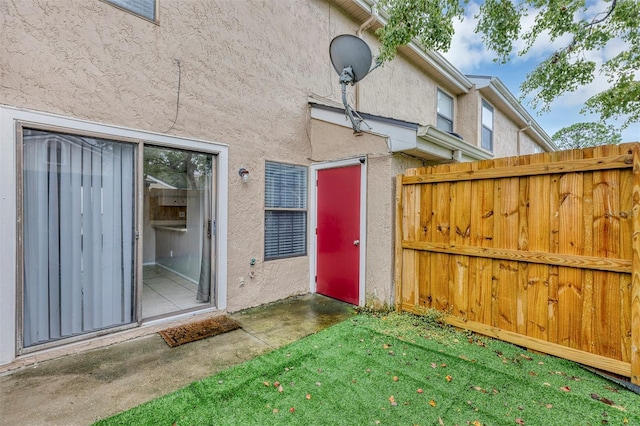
(517, 112)
(461, 150)
(425, 142)
(415, 51)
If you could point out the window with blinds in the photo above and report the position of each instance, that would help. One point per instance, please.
(285, 224)
(444, 120)
(487, 126)
(144, 8)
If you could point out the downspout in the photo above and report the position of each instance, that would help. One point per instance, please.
(518, 135)
(366, 24)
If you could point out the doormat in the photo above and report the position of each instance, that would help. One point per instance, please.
(180, 335)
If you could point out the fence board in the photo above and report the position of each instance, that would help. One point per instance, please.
(440, 273)
(460, 234)
(480, 268)
(565, 260)
(568, 234)
(397, 270)
(539, 233)
(584, 165)
(635, 278)
(540, 250)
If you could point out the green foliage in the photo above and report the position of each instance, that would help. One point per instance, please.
(429, 21)
(182, 169)
(499, 22)
(568, 68)
(582, 135)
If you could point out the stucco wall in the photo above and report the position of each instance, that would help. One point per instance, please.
(505, 131)
(399, 87)
(241, 83)
(242, 71)
(467, 120)
(528, 145)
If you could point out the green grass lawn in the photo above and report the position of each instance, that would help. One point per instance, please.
(394, 370)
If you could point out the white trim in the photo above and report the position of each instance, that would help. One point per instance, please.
(426, 142)
(430, 137)
(313, 203)
(8, 208)
(400, 138)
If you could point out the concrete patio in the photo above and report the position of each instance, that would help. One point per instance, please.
(80, 389)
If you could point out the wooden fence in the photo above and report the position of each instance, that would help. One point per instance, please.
(542, 251)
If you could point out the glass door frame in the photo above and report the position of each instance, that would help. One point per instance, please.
(212, 211)
(48, 122)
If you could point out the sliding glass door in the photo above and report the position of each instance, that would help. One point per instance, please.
(95, 213)
(178, 230)
(78, 235)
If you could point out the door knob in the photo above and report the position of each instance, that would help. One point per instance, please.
(356, 243)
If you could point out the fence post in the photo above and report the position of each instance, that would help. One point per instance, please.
(398, 244)
(635, 274)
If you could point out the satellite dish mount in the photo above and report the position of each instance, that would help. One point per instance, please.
(351, 58)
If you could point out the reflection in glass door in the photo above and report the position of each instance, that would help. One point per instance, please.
(178, 231)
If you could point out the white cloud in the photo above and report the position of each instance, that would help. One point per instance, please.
(467, 51)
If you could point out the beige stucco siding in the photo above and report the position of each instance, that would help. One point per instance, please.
(504, 135)
(245, 71)
(508, 135)
(242, 83)
(467, 120)
(509, 138)
(400, 87)
(237, 73)
(528, 145)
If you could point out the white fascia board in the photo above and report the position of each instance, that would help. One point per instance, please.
(400, 138)
(425, 142)
(430, 135)
(434, 59)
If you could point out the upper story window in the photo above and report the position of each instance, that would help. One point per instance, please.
(445, 112)
(487, 126)
(143, 8)
(285, 221)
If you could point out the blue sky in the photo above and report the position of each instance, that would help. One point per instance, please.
(469, 55)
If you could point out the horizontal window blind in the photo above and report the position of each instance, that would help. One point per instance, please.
(487, 126)
(286, 186)
(444, 124)
(285, 234)
(285, 230)
(444, 120)
(145, 8)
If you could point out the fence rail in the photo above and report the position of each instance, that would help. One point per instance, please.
(542, 251)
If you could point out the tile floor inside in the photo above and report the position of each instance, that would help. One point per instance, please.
(165, 291)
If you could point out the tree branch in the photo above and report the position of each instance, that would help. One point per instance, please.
(609, 12)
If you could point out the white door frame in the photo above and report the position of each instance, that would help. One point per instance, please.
(313, 208)
(9, 116)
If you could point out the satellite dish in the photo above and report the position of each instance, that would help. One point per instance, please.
(351, 58)
(350, 51)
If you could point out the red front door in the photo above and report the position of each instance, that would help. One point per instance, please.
(338, 233)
